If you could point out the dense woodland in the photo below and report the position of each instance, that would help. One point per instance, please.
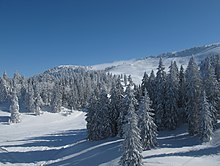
(115, 106)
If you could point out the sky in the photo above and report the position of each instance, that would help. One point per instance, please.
(36, 35)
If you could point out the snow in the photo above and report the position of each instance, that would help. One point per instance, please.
(60, 139)
(136, 68)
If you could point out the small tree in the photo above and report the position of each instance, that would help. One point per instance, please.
(37, 104)
(14, 109)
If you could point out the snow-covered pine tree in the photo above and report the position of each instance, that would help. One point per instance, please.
(106, 126)
(132, 147)
(160, 94)
(57, 98)
(37, 104)
(171, 106)
(211, 86)
(148, 129)
(5, 87)
(14, 108)
(205, 119)
(144, 83)
(30, 98)
(193, 94)
(91, 118)
(99, 118)
(116, 105)
(129, 95)
(182, 96)
(151, 88)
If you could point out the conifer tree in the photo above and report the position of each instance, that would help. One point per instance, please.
(14, 108)
(132, 146)
(160, 91)
(193, 94)
(148, 129)
(206, 119)
(211, 86)
(116, 105)
(37, 104)
(171, 106)
(57, 99)
(182, 96)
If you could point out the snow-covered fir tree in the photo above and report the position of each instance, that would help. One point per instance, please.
(37, 104)
(98, 118)
(30, 96)
(151, 88)
(116, 105)
(171, 106)
(57, 99)
(146, 124)
(193, 94)
(129, 95)
(132, 147)
(160, 93)
(211, 86)
(5, 87)
(14, 108)
(91, 119)
(182, 96)
(144, 83)
(206, 119)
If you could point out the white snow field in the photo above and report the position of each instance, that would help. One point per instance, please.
(56, 139)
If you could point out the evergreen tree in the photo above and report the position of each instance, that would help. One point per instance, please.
(132, 146)
(171, 106)
(144, 83)
(37, 104)
(206, 119)
(99, 118)
(57, 99)
(116, 105)
(148, 129)
(14, 108)
(211, 86)
(30, 94)
(91, 119)
(182, 96)
(193, 94)
(160, 93)
(151, 88)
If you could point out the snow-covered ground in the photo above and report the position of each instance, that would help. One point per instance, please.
(60, 139)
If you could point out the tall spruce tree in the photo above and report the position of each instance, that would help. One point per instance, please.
(211, 86)
(171, 107)
(148, 129)
(182, 96)
(160, 93)
(116, 105)
(193, 94)
(132, 146)
(206, 119)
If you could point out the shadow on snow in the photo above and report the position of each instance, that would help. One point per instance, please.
(70, 147)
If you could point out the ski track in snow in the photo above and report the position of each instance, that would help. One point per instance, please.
(63, 142)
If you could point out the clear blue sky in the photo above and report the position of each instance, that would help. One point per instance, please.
(39, 34)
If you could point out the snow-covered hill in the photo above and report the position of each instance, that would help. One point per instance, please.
(60, 139)
(137, 67)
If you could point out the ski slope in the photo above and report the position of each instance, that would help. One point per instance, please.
(60, 139)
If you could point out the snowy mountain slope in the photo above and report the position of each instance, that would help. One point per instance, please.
(136, 68)
(56, 139)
